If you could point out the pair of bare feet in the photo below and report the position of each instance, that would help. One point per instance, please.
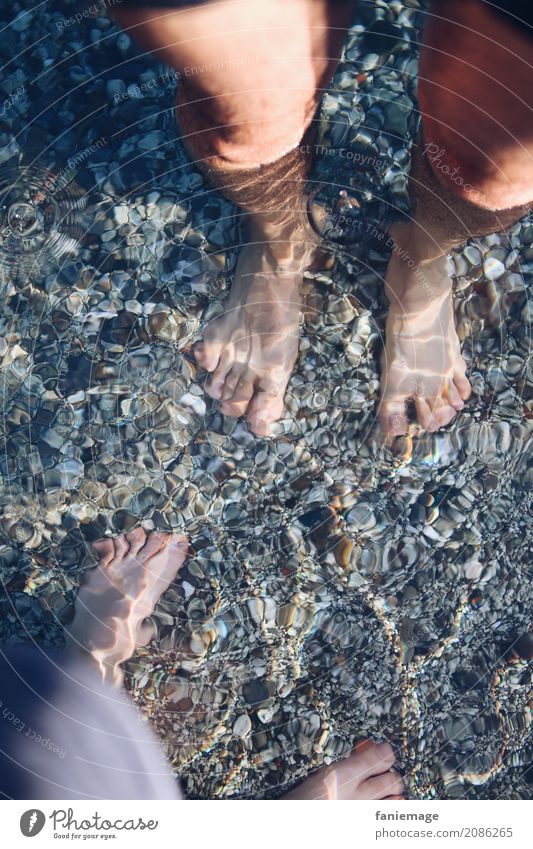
(252, 347)
(112, 619)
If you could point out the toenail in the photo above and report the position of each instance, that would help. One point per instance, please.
(385, 749)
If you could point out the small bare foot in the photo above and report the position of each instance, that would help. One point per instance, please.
(422, 359)
(365, 774)
(120, 593)
(252, 347)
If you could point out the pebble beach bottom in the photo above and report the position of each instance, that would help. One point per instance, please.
(337, 587)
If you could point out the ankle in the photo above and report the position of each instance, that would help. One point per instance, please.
(413, 287)
(417, 242)
(282, 238)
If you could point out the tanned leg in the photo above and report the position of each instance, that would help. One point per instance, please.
(472, 175)
(252, 75)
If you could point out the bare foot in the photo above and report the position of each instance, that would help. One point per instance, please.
(251, 349)
(365, 774)
(120, 593)
(422, 359)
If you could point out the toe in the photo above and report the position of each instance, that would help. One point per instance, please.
(263, 411)
(161, 568)
(235, 409)
(378, 757)
(244, 389)
(259, 426)
(232, 380)
(441, 414)
(215, 387)
(154, 543)
(122, 547)
(381, 786)
(105, 550)
(145, 633)
(136, 539)
(392, 417)
(462, 385)
(454, 398)
(238, 403)
(267, 404)
(423, 414)
(207, 355)
(179, 545)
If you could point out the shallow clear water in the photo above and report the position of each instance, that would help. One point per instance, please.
(338, 587)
